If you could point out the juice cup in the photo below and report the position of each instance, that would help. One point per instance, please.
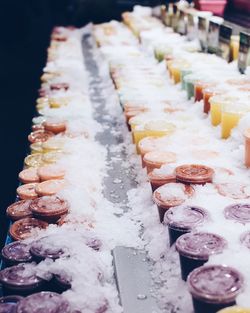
(159, 128)
(171, 195)
(175, 69)
(230, 116)
(199, 86)
(234, 47)
(156, 158)
(157, 180)
(183, 219)
(195, 248)
(148, 144)
(8, 304)
(239, 212)
(41, 301)
(209, 92)
(19, 210)
(247, 147)
(15, 253)
(216, 104)
(189, 84)
(235, 309)
(214, 287)
(21, 279)
(49, 208)
(42, 249)
(184, 72)
(194, 174)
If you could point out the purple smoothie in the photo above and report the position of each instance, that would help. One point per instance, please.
(245, 239)
(20, 279)
(183, 219)
(62, 282)
(44, 302)
(16, 252)
(46, 248)
(214, 287)
(195, 248)
(238, 212)
(9, 304)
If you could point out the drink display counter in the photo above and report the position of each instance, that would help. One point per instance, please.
(134, 195)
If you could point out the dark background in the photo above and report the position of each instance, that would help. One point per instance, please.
(25, 27)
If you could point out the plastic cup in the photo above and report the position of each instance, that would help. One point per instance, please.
(216, 104)
(21, 279)
(146, 145)
(194, 174)
(43, 248)
(19, 210)
(44, 302)
(234, 47)
(195, 248)
(234, 309)
(214, 287)
(159, 128)
(15, 253)
(238, 212)
(235, 190)
(62, 282)
(189, 84)
(183, 219)
(209, 92)
(8, 304)
(26, 227)
(247, 147)
(171, 195)
(230, 116)
(157, 180)
(184, 72)
(49, 208)
(155, 159)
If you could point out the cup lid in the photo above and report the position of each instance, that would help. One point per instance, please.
(39, 136)
(49, 172)
(50, 187)
(185, 217)
(24, 228)
(49, 206)
(234, 190)
(200, 245)
(19, 210)
(245, 239)
(17, 251)
(34, 160)
(159, 157)
(47, 248)
(44, 302)
(148, 144)
(29, 175)
(239, 212)
(172, 194)
(194, 173)
(27, 191)
(8, 304)
(217, 284)
(21, 275)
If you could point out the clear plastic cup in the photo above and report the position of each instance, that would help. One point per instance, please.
(214, 287)
(195, 248)
(183, 219)
(216, 104)
(231, 113)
